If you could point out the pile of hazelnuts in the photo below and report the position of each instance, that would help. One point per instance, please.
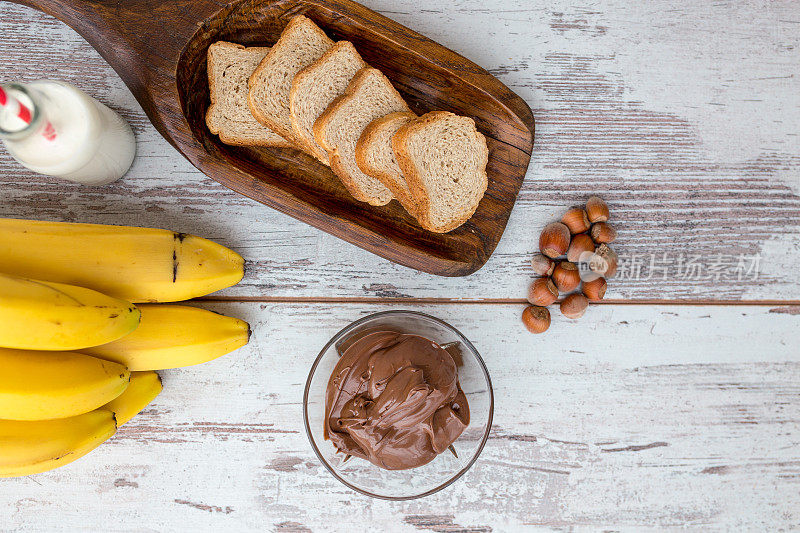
(582, 235)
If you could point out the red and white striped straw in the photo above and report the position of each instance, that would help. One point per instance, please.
(22, 112)
(17, 108)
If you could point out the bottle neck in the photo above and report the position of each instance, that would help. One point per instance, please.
(21, 113)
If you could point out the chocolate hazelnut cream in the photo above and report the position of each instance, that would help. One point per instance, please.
(394, 400)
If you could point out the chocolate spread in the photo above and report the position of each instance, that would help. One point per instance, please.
(394, 399)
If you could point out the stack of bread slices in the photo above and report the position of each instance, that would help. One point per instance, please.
(319, 96)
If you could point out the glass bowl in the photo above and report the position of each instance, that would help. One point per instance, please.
(365, 477)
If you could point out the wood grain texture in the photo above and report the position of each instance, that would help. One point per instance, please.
(635, 417)
(685, 117)
(692, 140)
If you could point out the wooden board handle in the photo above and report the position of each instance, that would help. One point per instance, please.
(136, 37)
(141, 39)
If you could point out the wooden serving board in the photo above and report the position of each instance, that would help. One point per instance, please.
(159, 49)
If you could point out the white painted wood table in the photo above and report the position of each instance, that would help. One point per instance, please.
(675, 403)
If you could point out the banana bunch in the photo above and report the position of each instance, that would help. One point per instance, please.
(77, 356)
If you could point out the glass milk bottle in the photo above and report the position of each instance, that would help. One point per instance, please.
(56, 129)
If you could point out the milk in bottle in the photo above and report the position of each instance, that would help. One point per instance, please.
(56, 129)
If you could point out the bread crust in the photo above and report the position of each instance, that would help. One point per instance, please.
(255, 78)
(368, 137)
(214, 96)
(310, 145)
(413, 178)
(321, 125)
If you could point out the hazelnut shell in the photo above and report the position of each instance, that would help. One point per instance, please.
(536, 319)
(602, 233)
(554, 240)
(574, 305)
(576, 220)
(542, 264)
(611, 261)
(566, 276)
(542, 292)
(597, 209)
(594, 290)
(580, 243)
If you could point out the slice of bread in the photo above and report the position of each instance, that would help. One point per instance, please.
(229, 67)
(369, 95)
(443, 158)
(375, 156)
(315, 87)
(301, 43)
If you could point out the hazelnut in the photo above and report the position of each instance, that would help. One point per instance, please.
(607, 267)
(542, 264)
(596, 209)
(595, 289)
(603, 233)
(542, 292)
(574, 305)
(554, 239)
(566, 276)
(536, 319)
(576, 220)
(580, 243)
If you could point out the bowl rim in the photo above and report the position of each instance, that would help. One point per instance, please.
(458, 474)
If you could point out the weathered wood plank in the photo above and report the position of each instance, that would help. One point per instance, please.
(636, 417)
(685, 118)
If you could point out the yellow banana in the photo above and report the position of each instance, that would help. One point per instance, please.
(41, 385)
(172, 336)
(32, 447)
(144, 387)
(40, 315)
(136, 264)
